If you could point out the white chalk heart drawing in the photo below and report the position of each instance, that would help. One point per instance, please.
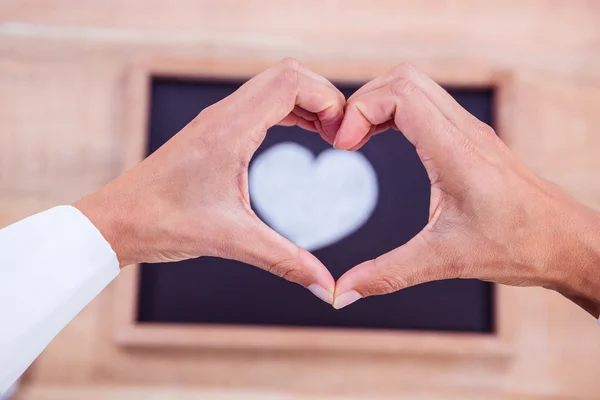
(314, 202)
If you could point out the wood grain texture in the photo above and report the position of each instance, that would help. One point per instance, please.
(161, 393)
(558, 36)
(561, 138)
(59, 137)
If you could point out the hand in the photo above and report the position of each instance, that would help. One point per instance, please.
(190, 197)
(490, 217)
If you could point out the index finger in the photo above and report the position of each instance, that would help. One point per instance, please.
(270, 97)
(438, 96)
(406, 106)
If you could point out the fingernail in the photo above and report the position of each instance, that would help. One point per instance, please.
(321, 293)
(346, 299)
(335, 141)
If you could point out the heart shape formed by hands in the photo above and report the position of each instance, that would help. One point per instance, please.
(314, 202)
(198, 184)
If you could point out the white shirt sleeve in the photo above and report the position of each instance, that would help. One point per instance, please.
(52, 265)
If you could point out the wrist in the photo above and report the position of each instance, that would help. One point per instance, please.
(575, 253)
(111, 219)
(585, 266)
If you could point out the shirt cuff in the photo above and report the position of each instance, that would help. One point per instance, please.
(52, 265)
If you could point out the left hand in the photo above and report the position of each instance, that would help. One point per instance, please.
(490, 217)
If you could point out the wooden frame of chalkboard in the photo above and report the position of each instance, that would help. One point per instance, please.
(129, 332)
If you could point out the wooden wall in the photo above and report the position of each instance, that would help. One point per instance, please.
(63, 65)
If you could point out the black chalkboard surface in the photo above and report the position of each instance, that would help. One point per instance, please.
(216, 291)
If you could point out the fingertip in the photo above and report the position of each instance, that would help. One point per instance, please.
(330, 121)
(344, 139)
(354, 278)
(345, 299)
(317, 273)
(321, 293)
(335, 141)
(352, 130)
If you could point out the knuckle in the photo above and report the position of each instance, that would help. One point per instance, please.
(290, 62)
(388, 280)
(204, 129)
(484, 129)
(456, 270)
(387, 283)
(405, 70)
(286, 265)
(355, 104)
(402, 87)
(255, 138)
(204, 116)
(287, 73)
(340, 96)
(287, 269)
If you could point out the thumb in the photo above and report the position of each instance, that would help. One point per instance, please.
(261, 246)
(586, 304)
(411, 264)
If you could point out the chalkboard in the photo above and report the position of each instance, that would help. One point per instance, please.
(216, 291)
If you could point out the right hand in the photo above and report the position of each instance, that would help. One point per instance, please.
(490, 218)
(190, 197)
